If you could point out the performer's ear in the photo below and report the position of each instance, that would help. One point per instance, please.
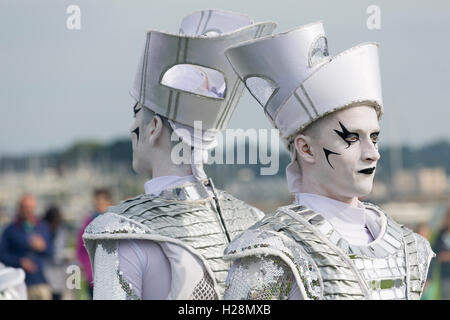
(154, 128)
(305, 151)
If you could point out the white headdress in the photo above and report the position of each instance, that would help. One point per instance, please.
(186, 78)
(293, 77)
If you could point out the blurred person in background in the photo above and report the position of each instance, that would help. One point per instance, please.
(102, 200)
(25, 244)
(442, 249)
(55, 266)
(3, 218)
(424, 230)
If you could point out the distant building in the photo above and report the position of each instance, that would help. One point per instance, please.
(404, 182)
(432, 182)
(428, 182)
(379, 190)
(411, 213)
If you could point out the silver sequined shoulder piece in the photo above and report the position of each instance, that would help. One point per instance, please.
(204, 290)
(111, 224)
(260, 278)
(267, 243)
(145, 214)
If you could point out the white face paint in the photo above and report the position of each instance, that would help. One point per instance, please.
(141, 147)
(346, 152)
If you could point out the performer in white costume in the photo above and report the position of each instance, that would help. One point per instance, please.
(327, 244)
(12, 283)
(168, 243)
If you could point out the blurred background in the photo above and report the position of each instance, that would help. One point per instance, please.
(65, 114)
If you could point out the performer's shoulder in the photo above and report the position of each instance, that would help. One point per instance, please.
(423, 245)
(127, 215)
(275, 221)
(142, 200)
(252, 238)
(231, 202)
(264, 237)
(151, 204)
(110, 223)
(262, 247)
(228, 197)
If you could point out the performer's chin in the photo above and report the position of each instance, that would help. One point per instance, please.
(134, 165)
(137, 167)
(364, 187)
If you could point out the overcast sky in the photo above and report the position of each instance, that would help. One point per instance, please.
(58, 86)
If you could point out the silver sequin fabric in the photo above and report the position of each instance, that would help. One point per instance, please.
(252, 246)
(257, 278)
(204, 290)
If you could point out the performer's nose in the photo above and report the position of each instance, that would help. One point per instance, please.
(370, 152)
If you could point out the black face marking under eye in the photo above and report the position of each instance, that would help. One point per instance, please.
(345, 134)
(136, 131)
(136, 108)
(327, 154)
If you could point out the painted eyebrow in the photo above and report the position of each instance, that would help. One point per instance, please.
(345, 133)
(361, 131)
(136, 109)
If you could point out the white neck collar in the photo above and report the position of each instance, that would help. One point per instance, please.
(334, 210)
(358, 225)
(156, 185)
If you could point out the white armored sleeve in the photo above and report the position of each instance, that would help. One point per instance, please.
(261, 278)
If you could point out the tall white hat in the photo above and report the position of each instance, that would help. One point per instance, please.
(293, 77)
(204, 35)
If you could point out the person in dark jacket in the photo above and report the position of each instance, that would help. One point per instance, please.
(25, 244)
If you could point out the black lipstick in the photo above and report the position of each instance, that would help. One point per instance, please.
(367, 171)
